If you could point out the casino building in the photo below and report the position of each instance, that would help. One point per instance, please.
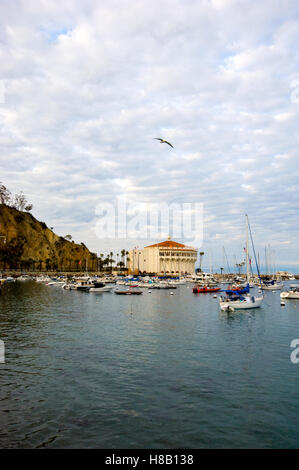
(164, 258)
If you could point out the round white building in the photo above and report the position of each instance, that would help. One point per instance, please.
(164, 258)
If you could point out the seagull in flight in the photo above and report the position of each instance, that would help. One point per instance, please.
(162, 141)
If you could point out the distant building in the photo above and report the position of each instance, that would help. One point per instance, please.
(164, 258)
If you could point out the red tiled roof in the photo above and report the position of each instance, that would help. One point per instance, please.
(168, 244)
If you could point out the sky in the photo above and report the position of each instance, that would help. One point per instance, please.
(86, 87)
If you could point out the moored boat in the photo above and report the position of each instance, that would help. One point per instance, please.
(127, 292)
(200, 289)
(272, 285)
(291, 294)
(241, 299)
(100, 287)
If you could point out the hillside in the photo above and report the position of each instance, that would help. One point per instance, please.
(26, 243)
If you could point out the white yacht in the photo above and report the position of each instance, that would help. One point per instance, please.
(291, 294)
(100, 287)
(24, 277)
(43, 279)
(204, 279)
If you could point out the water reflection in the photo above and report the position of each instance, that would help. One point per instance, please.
(114, 371)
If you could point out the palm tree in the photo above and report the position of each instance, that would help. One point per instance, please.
(239, 266)
(111, 260)
(101, 260)
(106, 261)
(123, 254)
(200, 260)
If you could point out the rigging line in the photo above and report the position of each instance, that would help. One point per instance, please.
(257, 267)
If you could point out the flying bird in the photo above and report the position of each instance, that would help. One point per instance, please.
(162, 141)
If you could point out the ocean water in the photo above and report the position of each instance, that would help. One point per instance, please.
(87, 370)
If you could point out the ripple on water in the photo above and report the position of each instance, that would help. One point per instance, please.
(157, 371)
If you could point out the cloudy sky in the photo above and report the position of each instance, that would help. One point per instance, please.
(86, 86)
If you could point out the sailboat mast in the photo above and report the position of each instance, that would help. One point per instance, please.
(247, 254)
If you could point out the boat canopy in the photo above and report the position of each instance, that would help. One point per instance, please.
(242, 291)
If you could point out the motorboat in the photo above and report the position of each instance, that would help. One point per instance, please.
(24, 277)
(43, 279)
(127, 292)
(55, 283)
(100, 287)
(291, 294)
(204, 279)
(204, 289)
(83, 285)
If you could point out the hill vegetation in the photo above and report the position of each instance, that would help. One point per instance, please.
(28, 244)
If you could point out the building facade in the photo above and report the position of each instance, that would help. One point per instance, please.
(164, 258)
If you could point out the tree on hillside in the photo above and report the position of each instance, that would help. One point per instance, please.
(5, 195)
(68, 237)
(19, 202)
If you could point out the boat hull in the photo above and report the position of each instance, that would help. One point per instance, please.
(289, 295)
(202, 290)
(100, 289)
(240, 304)
(127, 292)
(272, 287)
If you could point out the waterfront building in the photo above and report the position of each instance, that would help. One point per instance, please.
(164, 258)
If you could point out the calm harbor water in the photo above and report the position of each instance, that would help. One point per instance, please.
(152, 371)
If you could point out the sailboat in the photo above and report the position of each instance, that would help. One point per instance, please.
(241, 299)
(270, 283)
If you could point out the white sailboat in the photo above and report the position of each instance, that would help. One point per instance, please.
(272, 285)
(239, 300)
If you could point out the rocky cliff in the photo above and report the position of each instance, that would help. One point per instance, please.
(26, 243)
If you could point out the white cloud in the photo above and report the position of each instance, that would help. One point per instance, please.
(89, 85)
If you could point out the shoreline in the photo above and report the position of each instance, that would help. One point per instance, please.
(17, 273)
